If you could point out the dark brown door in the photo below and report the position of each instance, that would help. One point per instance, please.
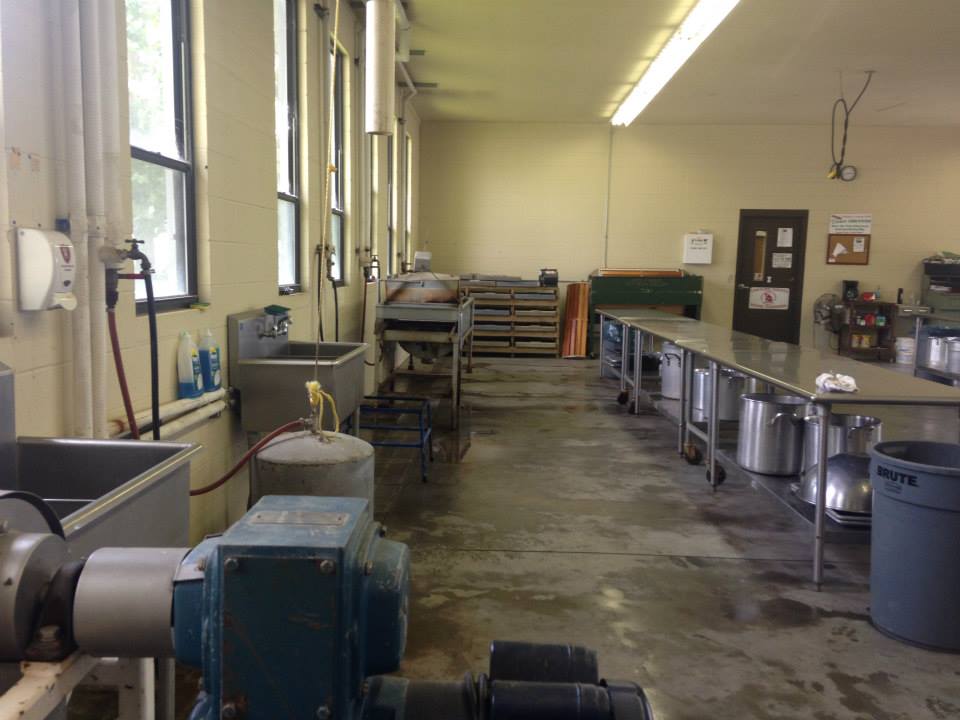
(768, 295)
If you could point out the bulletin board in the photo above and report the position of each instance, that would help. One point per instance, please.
(850, 249)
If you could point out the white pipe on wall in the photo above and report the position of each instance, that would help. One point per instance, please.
(90, 46)
(77, 202)
(380, 84)
(168, 430)
(167, 411)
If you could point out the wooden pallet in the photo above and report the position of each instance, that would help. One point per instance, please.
(540, 328)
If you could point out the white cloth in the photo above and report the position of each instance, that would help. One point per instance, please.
(835, 382)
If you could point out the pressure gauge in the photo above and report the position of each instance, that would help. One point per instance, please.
(848, 173)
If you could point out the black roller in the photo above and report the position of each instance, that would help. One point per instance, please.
(543, 663)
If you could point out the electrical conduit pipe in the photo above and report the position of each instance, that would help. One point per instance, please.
(90, 48)
(77, 203)
(168, 411)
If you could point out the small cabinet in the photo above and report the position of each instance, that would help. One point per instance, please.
(868, 331)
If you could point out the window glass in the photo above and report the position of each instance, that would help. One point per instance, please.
(159, 203)
(287, 250)
(287, 144)
(151, 77)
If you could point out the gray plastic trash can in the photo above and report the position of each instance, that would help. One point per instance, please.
(915, 540)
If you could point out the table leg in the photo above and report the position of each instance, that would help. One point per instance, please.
(355, 423)
(824, 411)
(624, 356)
(713, 425)
(601, 353)
(455, 394)
(686, 395)
(637, 369)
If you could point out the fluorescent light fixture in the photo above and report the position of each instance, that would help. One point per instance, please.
(695, 28)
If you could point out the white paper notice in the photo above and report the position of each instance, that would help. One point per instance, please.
(859, 244)
(768, 298)
(851, 223)
(698, 248)
(782, 260)
(784, 237)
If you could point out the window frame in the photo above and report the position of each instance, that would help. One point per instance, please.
(293, 145)
(183, 111)
(408, 196)
(339, 151)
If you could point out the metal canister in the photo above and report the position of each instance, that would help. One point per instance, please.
(770, 439)
(936, 352)
(854, 434)
(953, 355)
(728, 396)
(671, 371)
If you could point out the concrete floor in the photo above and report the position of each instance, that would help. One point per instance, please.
(569, 520)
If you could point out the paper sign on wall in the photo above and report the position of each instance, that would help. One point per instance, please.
(851, 223)
(698, 248)
(781, 260)
(784, 237)
(768, 298)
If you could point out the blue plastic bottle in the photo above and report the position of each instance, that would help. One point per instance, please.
(209, 361)
(189, 377)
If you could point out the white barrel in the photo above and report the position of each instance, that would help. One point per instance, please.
(302, 463)
(906, 348)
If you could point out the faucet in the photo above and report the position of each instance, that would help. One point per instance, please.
(275, 326)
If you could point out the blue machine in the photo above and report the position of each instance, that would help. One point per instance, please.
(294, 612)
(303, 600)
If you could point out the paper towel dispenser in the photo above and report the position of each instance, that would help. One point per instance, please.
(46, 270)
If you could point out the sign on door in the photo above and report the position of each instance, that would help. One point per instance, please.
(768, 298)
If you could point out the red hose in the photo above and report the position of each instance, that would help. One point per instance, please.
(296, 424)
(121, 375)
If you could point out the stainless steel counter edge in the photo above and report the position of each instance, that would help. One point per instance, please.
(105, 504)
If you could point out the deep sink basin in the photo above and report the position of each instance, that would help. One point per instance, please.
(110, 492)
(268, 373)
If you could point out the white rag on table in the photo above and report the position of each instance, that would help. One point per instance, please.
(835, 382)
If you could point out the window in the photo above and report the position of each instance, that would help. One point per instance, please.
(161, 146)
(288, 144)
(391, 210)
(408, 195)
(338, 159)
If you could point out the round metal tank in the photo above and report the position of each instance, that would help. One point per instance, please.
(302, 463)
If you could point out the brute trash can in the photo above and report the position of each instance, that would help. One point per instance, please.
(914, 572)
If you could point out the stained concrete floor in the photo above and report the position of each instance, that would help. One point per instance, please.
(569, 520)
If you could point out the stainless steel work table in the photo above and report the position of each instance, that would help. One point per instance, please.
(791, 368)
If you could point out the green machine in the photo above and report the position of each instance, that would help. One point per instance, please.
(669, 290)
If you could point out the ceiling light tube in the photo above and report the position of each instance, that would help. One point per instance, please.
(695, 28)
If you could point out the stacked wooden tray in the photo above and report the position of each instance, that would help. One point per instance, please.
(515, 320)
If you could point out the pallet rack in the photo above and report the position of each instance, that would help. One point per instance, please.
(529, 323)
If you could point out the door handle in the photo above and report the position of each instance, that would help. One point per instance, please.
(741, 286)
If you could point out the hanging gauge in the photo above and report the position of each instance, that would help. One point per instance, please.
(848, 173)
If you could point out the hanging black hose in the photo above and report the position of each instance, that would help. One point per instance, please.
(846, 110)
(154, 362)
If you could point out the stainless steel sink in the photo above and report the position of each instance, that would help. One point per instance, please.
(110, 492)
(268, 372)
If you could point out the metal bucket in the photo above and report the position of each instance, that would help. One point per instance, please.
(854, 434)
(770, 439)
(671, 371)
(936, 352)
(953, 355)
(914, 573)
(752, 386)
(728, 400)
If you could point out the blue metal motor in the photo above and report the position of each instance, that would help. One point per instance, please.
(292, 609)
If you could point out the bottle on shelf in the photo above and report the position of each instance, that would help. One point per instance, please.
(209, 361)
(189, 376)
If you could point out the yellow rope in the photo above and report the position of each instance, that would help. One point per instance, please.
(317, 396)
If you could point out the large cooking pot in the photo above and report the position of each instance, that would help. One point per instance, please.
(770, 439)
(848, 484)
(953, 355)
(671, 371)
(936, 352)
(728, 400)
(847, 434)
(752, 386)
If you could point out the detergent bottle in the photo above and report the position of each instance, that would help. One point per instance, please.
(189, 377)
(209, 361)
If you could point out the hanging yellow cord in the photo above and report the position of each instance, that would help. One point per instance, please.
(317, 396)
(331, 168)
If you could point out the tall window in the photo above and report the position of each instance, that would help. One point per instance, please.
(338, 158)
(288, 144)
(161, 145)
(408, 197)
(391, 211)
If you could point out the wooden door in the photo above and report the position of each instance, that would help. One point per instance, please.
(768, 294)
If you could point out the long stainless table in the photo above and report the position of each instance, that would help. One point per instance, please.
(791, 368)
